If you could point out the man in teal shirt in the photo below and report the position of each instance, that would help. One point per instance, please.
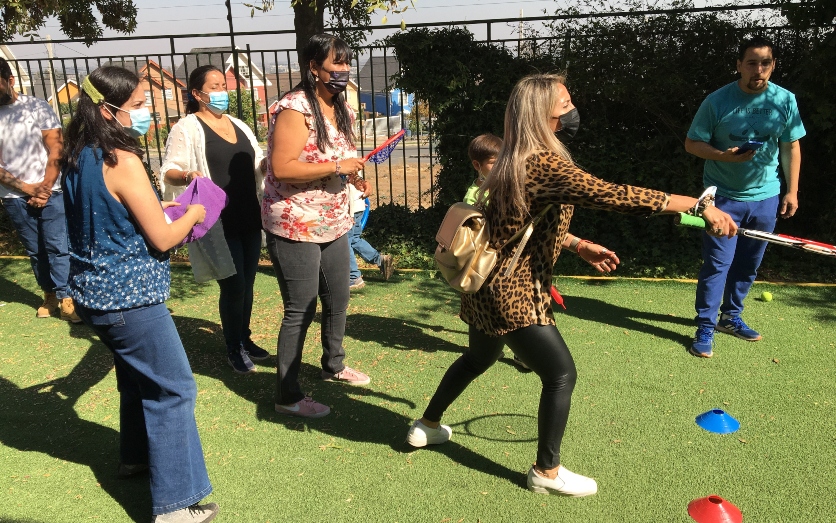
(764, 117)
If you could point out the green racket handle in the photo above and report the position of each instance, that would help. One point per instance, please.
(686, 220)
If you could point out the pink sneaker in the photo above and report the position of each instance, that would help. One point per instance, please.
(307, 408)
(348, 376)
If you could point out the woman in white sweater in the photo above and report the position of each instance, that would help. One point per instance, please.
(209, 143)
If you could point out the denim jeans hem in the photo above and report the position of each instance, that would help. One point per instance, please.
(188, 502)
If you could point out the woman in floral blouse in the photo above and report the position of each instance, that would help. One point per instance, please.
(305, 214)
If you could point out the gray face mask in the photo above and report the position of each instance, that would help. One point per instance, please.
(569, 124)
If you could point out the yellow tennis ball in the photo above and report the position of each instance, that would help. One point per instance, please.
(766, 296)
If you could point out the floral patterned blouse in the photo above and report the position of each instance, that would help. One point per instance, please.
(315, 211)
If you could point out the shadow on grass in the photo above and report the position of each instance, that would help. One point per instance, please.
(360, 414)
(355, 417)
(624, 318)
(13, 292)
(42, 418)
(401, 334)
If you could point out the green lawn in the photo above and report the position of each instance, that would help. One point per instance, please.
(632, 423)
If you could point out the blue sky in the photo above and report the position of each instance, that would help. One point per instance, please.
(163, 17)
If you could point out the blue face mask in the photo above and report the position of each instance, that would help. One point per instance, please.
(140, 121)
(218, 101)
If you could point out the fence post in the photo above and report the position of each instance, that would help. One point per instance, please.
(252, 90)
(234, 57)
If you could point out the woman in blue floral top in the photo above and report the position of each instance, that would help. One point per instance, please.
(119, 278)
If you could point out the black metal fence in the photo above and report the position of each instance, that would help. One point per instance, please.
(263, 75)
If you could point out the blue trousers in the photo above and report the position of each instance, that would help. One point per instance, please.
(235, 304)
(43, 232)
(730, 265)
(361, 247)
(306, 270)
(157, 397)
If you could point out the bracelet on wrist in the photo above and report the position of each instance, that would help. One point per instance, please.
(337, 170)
(578, 248)
(573, 244)
(705, 200)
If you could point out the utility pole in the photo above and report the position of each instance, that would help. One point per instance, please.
(234, 58)
(520, 35)
(55, 106)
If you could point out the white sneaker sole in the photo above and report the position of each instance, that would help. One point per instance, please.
(417, 436)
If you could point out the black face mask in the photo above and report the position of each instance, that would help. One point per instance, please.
(6, 98)
(569, 124)
(338, 81)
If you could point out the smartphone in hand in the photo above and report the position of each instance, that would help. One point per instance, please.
(751, 145)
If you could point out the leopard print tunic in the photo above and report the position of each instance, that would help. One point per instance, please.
(522, 299)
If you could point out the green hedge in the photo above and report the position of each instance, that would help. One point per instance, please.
(637, 82)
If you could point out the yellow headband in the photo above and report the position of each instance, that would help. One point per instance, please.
(91, 91)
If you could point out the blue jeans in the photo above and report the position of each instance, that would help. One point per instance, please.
(43, 232)
(235, 304)
(361, 247)
(730, 265)
(157, 397)
(306, 270)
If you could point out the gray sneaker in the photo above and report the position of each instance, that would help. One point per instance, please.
(193, 514)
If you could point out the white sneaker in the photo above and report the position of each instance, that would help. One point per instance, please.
(420, 435)
(567, 483)
(193, 514)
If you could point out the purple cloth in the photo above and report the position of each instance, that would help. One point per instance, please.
(205, 192)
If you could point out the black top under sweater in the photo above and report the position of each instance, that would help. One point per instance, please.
(232, 166)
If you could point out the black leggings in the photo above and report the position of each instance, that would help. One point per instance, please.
(542, 348)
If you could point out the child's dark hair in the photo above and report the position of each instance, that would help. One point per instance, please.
(484, 147)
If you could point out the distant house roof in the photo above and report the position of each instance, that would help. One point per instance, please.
(376, 74)
(140, 68)
(280, 84)
(220, 57)
(41, 86)
(67, 92)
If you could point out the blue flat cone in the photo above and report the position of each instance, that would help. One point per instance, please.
(717, 421)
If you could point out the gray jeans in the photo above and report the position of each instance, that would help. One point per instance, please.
(306, 270)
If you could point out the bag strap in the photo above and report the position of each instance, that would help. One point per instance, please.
(525, 232)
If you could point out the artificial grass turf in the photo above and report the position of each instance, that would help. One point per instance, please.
(631, 427)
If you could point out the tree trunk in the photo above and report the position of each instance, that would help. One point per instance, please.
(307, 21)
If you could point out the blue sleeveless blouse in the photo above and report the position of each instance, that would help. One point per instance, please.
(111, 266)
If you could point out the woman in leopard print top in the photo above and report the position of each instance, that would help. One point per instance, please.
(534, 170)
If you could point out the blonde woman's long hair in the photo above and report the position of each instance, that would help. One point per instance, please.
(527, 131)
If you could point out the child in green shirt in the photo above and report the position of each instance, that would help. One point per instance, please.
(482, 152)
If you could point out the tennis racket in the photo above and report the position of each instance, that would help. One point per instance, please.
(780, 239)
(381, 153)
